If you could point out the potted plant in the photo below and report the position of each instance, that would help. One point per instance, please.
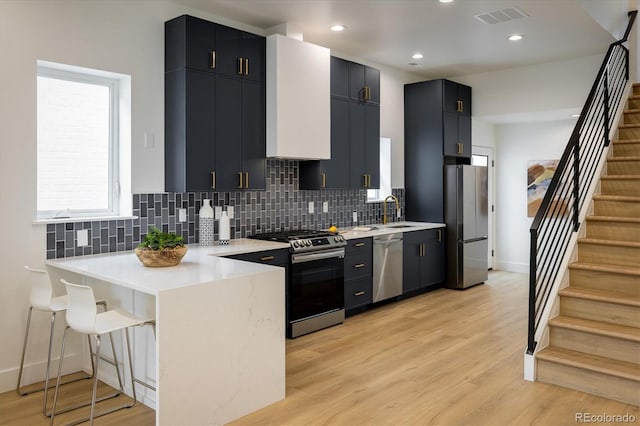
(161, 248)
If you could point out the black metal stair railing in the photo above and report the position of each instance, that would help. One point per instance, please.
(558, 216)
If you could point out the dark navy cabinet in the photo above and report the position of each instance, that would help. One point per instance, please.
(355, 131)
(358, 273)
(437, 132)
(423, 259)
(215, 107)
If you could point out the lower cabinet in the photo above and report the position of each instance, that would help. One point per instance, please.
(358, 273)
(279, 257)
(423, 259)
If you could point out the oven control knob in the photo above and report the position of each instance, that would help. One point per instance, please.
(336, 238)
(308, 243)
(295, 244)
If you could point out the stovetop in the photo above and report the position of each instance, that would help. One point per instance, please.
(286, 236)
(304, 240)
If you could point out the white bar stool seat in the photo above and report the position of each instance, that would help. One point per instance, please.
(82, 317)
(41, 299)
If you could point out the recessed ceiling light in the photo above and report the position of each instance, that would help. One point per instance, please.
(338, 28)
(417, 56)
(516, 37)
(446, 1)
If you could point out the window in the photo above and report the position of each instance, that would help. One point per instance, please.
(78, 142)
(376, 195)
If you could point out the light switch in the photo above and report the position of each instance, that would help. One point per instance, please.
(325, 207)
(311, 207)
(82, 238)
(355, 217)
(182, 215)
(230, 212)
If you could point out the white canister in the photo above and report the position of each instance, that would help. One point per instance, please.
(224, 229)
(206, 223)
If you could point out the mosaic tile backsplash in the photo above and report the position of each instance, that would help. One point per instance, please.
(281, 207)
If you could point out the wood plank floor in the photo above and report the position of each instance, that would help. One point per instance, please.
(443, 358)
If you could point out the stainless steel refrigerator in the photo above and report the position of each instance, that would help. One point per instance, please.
(466, 217)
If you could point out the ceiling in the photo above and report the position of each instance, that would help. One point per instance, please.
(453, 42)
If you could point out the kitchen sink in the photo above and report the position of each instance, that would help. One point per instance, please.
(400, 226)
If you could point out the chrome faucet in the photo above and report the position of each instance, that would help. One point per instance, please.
(384, 208)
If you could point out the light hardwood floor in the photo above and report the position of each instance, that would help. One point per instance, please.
(443, 358)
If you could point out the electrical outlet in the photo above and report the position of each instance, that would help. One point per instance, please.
(355, 217)
(311, 207)
(230, 212)
(325, 207)
(82, 238)
(182, 215)
(217, 212)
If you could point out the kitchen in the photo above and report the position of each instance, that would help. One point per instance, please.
(68, 32)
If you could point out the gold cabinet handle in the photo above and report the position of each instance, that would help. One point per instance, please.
(212, 59)
(266, 258)
(365, 180)
(240, 66)
(246, 179)
(460, 106)
(439, 234)
(246, 66)
(460, 148)
(421, 250)
(359, 265)
(358, 245)
(368, 181)
(240, 175)
(324, 180)
(359, 293)
(213, 180)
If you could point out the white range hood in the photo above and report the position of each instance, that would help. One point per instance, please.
(298, 99)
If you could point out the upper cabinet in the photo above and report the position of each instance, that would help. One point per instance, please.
(355, 132)
(437, 126)
(298, 112)
(215, 100)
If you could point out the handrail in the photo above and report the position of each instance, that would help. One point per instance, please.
(558, 216)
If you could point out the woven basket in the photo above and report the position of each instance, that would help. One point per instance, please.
(164, 257)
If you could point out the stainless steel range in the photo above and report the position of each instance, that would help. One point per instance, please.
(315, 279)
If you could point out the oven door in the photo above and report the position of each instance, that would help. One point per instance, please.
(316, 283)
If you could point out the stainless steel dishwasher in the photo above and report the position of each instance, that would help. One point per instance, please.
(387, 266)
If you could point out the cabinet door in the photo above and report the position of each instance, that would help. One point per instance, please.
(464, 95)
(254, 51)
(253, 134)
(432, 264)
(339, 78)
(450, 96)
(358, 292)
(450, 134)
(464, 135)
(357, 114)
(356, 81)
(336, 170)
(199, 161)
(411, 261)
(228, 133)
(372, 81)
(228, 50)
(199, 43)
(372, 148)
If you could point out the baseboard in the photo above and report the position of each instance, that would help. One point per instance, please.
(35, 372)
(512, 266)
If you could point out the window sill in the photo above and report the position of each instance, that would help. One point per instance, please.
(81, 219)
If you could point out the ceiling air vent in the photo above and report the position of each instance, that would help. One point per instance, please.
(502, 15)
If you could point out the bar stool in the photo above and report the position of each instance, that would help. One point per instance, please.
(41, 298)
(82, 317)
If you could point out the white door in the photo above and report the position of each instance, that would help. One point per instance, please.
(483, 156)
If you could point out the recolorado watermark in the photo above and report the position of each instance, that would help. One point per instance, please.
(604, 418)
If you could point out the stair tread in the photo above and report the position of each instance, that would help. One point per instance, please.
(600, 364)
(597, 327)
(626, 158)
(600, 295)
(606, 197)
(632, 111)
(626, 141)
(620, 177)
(613, 219)
(599, 267)
(617, 243)
(629, 126)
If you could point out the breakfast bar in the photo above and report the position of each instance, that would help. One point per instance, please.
(213, 315)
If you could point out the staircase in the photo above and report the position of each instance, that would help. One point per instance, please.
(594, 343)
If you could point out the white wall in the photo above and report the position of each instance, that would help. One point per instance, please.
(515, 145)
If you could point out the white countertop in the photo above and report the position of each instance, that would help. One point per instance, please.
(389, 228)
(200, 265)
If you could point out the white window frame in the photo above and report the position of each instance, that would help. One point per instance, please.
(378, 195)
(112, 81)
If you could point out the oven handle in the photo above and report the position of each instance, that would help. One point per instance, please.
(309, 257)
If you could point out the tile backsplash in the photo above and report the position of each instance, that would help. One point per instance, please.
(282, 206)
